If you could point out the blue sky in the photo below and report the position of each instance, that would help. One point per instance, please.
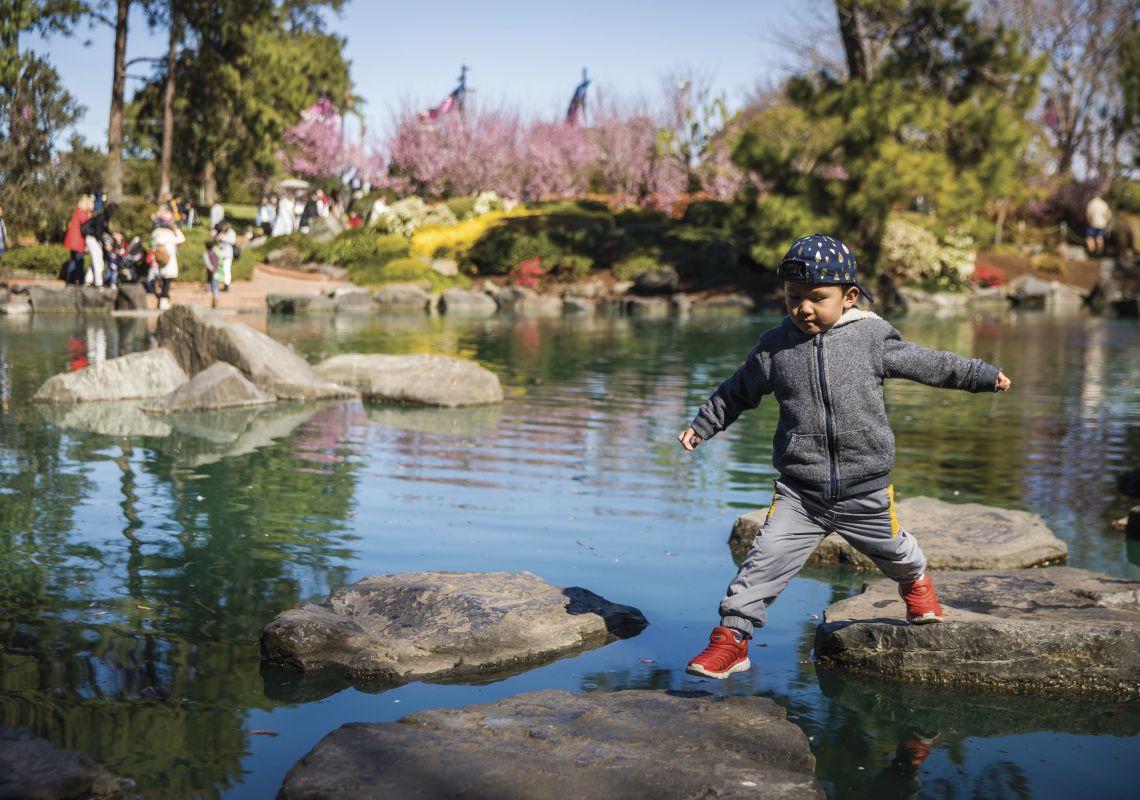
(527, 55)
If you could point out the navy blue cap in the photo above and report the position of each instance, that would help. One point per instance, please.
(820, 259)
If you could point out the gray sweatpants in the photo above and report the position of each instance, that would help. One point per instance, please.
(796, 523)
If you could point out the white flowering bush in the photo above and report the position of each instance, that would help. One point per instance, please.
(486, 202)
(405, 217)
(914, 254)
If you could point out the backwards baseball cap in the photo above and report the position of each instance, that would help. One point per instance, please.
(820, 259)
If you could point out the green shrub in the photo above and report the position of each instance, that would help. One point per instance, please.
(545, 236)
(401, 270)
(42, 258)
(133, 217)
(361, 244)
(462, 207)
(306, 248)
(1048, 262)
(708, 214)
(405, 217)
(569, 268)
(632, 267)
(640, 215)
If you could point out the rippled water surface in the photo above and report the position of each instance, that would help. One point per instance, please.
(140, 557)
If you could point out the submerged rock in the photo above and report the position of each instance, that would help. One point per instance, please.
(564, 746)
(219, 385)
(443, 625)
(198, 339)
(952, 535)
(1052, 629)
(415, 379)
(292, 303)
(150, 373)
(31, 767)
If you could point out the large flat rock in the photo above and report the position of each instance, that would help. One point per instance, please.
(416, 379)
(70, 300)
(151, 373)
(198, 338)
(1049, 629)
(218, 386)
(952, 535)
(442, 625)
(561, 746)
(34, 768)
(466, 303)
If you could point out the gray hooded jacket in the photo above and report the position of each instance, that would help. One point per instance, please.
(833, 436)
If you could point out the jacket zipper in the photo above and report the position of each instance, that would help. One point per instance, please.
(833, 467)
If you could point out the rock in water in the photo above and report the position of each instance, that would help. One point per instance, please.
(219, 385)
(198, 339)
(32, 767)
(151, 373)
(553, 745)
(952, 535)
(395, 628)
(401, 297)
(461, 302)
(416, 379)
(1051, 629)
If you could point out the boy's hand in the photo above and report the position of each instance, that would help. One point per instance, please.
(689, 439)
(1003, 383)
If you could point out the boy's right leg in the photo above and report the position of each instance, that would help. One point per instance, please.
(789, 536)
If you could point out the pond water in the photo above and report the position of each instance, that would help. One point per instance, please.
(136, 571)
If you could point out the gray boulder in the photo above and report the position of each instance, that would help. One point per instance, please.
(461, 302)
(573, 305)
(198, 339)
(70, 300)
(151, 373)
(324, 229)
(1031, 292)
(724, 303)
(1053, 629)
(442, 625)
(557, 745)
(589, 289)
(952, 535)
(682, 303)
(219, 385)
(291, 303)
(511, 298)
(417, 379)
(657, 281)
(34, 768)
(15, 306)
(647, 306)
(130, 297)
(351, 298)
(401, 297)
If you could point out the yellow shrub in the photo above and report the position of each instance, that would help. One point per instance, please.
(453, 241)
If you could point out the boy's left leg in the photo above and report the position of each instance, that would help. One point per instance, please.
(869, 524)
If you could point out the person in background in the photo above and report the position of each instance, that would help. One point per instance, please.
(379, 209)
(166, 237)
(115, 251)
(1098, 215)
(210, 257)
(217, 214)
(309, 212)
(97, 236)
(266, 214)
(226, 238)
(283, 222)
(73, 240)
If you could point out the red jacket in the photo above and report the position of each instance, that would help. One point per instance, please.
(74, 240)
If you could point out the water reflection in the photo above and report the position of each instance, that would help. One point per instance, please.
(137, 565)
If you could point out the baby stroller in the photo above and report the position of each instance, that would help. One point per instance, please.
(132, 265)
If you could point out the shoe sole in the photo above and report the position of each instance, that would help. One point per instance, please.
(925, 619)
(697, 669)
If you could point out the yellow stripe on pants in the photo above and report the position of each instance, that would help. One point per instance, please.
(894, 517)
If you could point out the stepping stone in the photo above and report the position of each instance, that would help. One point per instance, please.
(1052, 629)
(32, 767)
(217, 386)
(561, 746)
(389, 629)
(150, 373)
(952, 535)
(425, 380)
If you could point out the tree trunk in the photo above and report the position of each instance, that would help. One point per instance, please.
(209, 183)
(114, 178)
(11, 82)
(168, 101)
(852, 40)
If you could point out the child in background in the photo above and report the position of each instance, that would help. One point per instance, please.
(212, 263)
(825, 363)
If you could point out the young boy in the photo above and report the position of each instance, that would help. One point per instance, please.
(833, 448)
(210, 257)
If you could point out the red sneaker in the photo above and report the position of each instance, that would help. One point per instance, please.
(921, 602)
(724, 655)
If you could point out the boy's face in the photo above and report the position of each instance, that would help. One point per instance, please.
(814, 308)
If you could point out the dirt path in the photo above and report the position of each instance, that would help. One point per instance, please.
(243, 295)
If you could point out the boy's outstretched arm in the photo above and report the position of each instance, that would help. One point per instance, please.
(939, 368)
(740, 392)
